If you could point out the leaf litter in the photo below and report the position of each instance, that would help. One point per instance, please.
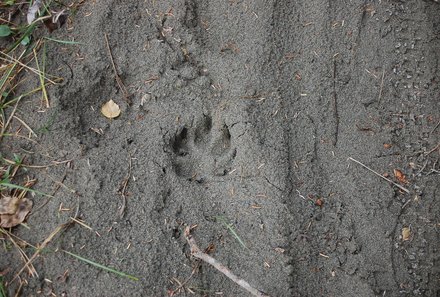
(13, 211)
(14, 207)
(400, 176)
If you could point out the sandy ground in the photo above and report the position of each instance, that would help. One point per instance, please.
(247, 111)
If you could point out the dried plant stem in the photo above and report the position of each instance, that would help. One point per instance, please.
(196, 252)
(8, 121)
(117, 78)
(43, 245)
(380, 175)
(381, 86)
(123, 189)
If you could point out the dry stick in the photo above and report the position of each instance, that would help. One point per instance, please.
(380, 175)
(196, 252)
(117, 78)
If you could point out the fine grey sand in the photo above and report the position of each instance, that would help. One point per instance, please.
(245, 111)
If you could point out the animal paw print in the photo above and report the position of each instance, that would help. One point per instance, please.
(203, 151)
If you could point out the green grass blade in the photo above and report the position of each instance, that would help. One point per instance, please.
(12, 186)
(7, 75)
(2, 288)
(229, 226)
(27, 33)
(102, 266)
(231, 230)
(12, 101)
(63, 41)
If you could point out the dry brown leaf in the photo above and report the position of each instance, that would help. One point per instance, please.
(387, 145)
(22, 208)
(8, 205)
(406, 233)
(319, 202)
(110, 110)
(400, 176)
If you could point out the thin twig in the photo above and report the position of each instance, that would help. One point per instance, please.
(380, 175)
(436, 126)
(182, 285)
(423, 167)
(5, 126)
(123, 189)
(433, 150)
(23, 255)
(26, 126)
(54, 163)
(117, 78)
(381, 86)
(196, 252)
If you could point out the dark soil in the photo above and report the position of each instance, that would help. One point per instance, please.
(247, 110)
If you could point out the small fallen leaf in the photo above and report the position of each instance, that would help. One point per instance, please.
(21, 208)
(5, 31)
(319, 202)
(110, 110)
(406, 233)
(387, 145)
(400, 176)
(280, 250)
